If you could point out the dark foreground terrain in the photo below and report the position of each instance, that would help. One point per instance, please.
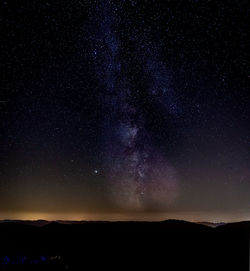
(167, 245)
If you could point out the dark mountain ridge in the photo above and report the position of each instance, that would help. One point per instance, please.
(177, 244)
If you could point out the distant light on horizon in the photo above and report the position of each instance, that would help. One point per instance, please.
(188, 216)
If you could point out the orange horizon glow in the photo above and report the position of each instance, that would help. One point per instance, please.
(188, 216)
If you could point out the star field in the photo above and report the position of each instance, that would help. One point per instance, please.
(125, 107)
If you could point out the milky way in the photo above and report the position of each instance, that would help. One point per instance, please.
(140, 175)
(125, 107)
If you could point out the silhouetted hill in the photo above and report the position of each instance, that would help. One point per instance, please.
(236, 227)
(39, 222)
(212, 224)
(172, 243)
(7, 227)
(184, 225)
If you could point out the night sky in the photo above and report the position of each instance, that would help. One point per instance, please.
(127, 109)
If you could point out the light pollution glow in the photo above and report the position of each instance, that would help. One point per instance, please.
(188, 216)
